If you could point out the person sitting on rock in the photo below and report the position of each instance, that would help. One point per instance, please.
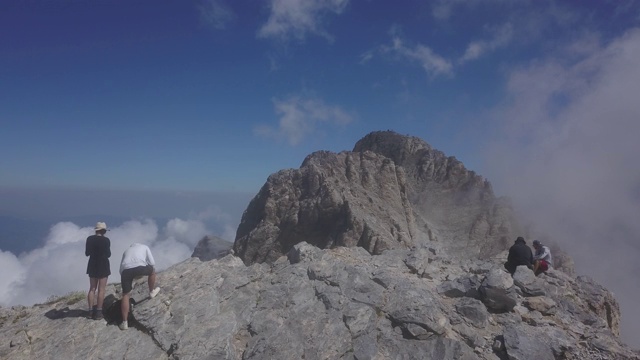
(542, 258)
(137, 261)
(519, 254)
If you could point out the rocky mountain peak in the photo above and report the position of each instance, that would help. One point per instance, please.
(391, 191)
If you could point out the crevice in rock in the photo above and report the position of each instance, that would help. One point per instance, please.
(609, 312)
(499, 348)
(380, 282)
(406, 334)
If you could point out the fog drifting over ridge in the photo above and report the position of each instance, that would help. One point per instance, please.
(568, 157)
(60, 265)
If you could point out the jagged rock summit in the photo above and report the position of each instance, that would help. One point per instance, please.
(348, 257)
(390, 192)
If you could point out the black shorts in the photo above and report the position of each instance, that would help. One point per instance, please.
(129, 274)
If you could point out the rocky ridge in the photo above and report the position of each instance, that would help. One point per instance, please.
(341, 303)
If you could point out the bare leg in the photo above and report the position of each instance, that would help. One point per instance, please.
(152, 281)
(93, 283)
(536, 265)
(124, 307)
(102, 284)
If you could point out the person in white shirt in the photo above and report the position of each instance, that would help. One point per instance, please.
(137, 261)
(542, 258)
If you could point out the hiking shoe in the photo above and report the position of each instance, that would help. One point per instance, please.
(98, 315)
(123, 325)
(154, 292)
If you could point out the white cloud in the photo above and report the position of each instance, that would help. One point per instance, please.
(500, 37)
(297, 18)
(59, 266)
(568, 156)
(13, 273)
(300, 117)
(444, 9)
(186, 231)
(216, 213)
(216, 13)
(432, 63)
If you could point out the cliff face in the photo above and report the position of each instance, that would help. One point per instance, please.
(341, 303)
(345, 199)
(390, 192)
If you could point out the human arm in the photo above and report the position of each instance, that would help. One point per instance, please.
(122, 264)
(542, 253)
(87, 248)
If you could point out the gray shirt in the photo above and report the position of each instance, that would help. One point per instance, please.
(543, 253)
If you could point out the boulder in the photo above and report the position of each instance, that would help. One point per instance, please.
(212, 247)
(497, 291)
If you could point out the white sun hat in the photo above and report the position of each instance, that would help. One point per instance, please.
(101, 226)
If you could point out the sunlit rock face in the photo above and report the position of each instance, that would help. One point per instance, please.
(390, 192)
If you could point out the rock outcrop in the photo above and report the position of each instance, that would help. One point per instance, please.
(390, 192)
(341, 303)
(212, 247)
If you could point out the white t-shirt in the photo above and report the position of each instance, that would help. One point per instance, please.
(136, 255)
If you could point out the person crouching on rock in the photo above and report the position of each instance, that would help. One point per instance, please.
(519, 254)
(98, 249)
(137, 261)
(542, 258)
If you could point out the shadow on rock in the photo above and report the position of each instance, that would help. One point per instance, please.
(55, 314)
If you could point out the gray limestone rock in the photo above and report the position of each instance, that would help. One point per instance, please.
(473, 311)
(341, 303)
(390, 192)
(463, 286)
(544, 305)
(529, 284)
(497, 291)
(212, 247)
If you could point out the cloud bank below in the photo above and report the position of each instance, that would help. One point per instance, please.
(60, 265)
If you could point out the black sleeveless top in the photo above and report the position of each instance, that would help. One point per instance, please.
(98, 249)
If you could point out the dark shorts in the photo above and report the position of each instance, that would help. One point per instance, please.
(129, 274)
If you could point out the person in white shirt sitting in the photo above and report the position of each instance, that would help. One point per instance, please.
(542, 258)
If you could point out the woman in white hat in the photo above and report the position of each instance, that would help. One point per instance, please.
(98, 249)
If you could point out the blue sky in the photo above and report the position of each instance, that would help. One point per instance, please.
(216, 95)
(142, 107)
